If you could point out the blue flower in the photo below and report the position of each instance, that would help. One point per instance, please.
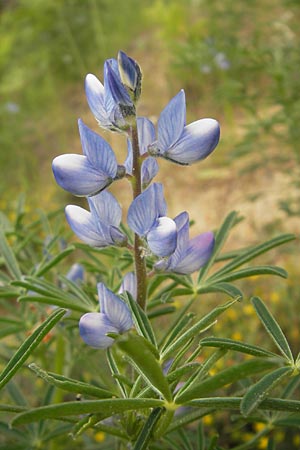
(114, 317)
(100, 226)
(146, 135)
(181, 143)
(111, 104)
(190, 254)
(90, 173)
(147, 218)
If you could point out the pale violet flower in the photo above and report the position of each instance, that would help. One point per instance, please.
(114, 317)
(76, 273)
(100, 226)
(90, 173)
(181, 143)
(190, 254)
(147, 218)
(110, 103)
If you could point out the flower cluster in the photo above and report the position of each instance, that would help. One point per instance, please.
(165, 240)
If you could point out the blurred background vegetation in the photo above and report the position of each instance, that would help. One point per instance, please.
(239, 62)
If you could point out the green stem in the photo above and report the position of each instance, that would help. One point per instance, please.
(140, 265)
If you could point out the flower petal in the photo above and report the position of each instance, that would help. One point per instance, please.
(97, 150)
(162, 238)
(130, 72)
(85, 226)
(149, 170)
(197, 141)
(76, 273)
(196, 254)
(146, 208)
(114, 308)
(95, 97)
(146, 133)
(171, 122)
(75, 174)
(115, 92)
(106, 207)
(93, 328)
(129, 284)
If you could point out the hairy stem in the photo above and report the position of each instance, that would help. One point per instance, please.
(140, 265)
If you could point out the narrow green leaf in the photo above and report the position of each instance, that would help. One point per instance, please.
(12, 408)
(141, 320)
(227, 376)
(269, 404)
(105, 408)
(146, 433)
(291, 421)
(115, 372)
(70, 385)
(204, 323)
(250, 272)
(237, 346)
(29, 346)
(161, 312)
(54, 261)
(272, 328)
(252, 253)
(226, 288)
(55, 301)
(260, 390)
(220, 239)
(189, 417)
(9, 257)
(143, 355)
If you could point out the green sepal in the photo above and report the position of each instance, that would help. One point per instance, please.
(227, 376)
(260, 390)
(144, 357)
(272, 328)
(237, 346)
(29, 345)
(69, 384)
(105, 408)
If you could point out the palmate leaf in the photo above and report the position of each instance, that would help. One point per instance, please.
(272, 328)
(105, 408)
(29, 346)
(260, 390)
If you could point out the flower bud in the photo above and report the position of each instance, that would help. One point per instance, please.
(130, 74)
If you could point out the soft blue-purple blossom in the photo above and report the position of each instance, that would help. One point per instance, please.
(76, 273)
(114, 317)
(147, 218)
(190, 254)
(181, 143)
(90, 173)
(111, 104)
(98, 227)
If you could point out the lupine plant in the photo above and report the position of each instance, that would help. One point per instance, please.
(132, 304)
